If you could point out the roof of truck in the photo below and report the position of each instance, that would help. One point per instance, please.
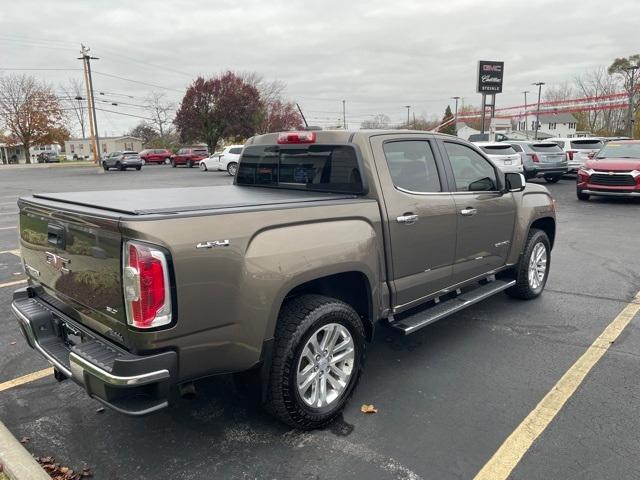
(339, 136)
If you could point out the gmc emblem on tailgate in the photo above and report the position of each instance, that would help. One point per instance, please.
(57, 262)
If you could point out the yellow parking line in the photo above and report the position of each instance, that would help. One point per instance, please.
(29, 377)
(518, 443)
(11, 284)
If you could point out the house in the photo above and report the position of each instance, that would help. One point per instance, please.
(497, 128)
(78, 148)
(37, 150)
(11, 153)
(563, 125)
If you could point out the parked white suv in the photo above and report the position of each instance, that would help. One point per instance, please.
(503, 155)
(578, 150)
(227, 160)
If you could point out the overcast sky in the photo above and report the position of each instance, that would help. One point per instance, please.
(377, 55)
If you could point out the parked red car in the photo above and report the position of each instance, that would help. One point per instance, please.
(189, 156)
(155, 155)
(613, 172)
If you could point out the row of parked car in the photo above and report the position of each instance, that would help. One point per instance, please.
(602, 167)
(225, 160)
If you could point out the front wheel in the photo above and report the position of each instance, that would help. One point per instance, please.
(552, 178)
(104, 166)
(533, 269)
(582, 196)
(203, 167)
(139, 168)
(119, 166)
(232, 168)
(317, 360)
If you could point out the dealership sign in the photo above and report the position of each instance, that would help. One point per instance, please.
(490, 76)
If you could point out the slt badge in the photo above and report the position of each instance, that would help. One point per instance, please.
(215, 243)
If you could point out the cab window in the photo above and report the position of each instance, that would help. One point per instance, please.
(412, 166)
(471, 171)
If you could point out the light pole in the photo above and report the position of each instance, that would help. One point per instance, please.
(539, 85)
(455, 116)
(632, 76)
(526, 120)
(408, 107)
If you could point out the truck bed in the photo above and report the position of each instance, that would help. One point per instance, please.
(176, 200)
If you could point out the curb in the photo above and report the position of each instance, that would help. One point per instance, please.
(25, 166)
(17, 463)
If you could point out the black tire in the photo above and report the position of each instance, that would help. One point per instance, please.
(523, 289)
(104, 166)
(552, 178)
(298, 320)
(138, 168)
(173, 163)
(232, 168)
(582, 196)
(120, 167)
(189, 164)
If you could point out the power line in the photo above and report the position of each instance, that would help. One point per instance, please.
(137, 81)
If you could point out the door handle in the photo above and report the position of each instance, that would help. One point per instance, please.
(467, 212)
(407, 219)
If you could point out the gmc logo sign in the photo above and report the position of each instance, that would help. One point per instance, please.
(492, 68)
(490, 75)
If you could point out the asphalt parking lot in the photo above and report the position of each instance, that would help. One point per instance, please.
(447, 396)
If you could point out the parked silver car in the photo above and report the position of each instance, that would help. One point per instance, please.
(122, 161)
(541, 159)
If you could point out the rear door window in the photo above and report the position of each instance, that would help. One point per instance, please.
(236, 151)
(412, 166)
(331, 168)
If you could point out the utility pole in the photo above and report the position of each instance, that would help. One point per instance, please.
(414, 120)
(632, 77)
(526, 120)
(408, 107)
(344, 114)
(539, 85)
(455, 117)
(93, 121)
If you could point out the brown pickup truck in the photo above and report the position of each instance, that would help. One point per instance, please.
(285, 274)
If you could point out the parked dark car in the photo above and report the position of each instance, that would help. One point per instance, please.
(48, 157)
(189, 156)
(155, 155)
(122, 161)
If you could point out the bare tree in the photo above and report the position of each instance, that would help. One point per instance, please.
(598, 83)
(161, 112)
(564, 91)
(75, 103)
(378, 121)
(30, 112)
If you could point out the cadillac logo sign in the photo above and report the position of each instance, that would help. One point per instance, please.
(490, 76)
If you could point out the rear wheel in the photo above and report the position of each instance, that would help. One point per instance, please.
(167, 161)
(173, 163)
(232, 168)
(119, 166)
(317, 360)
(582, 196)
(552, 178)
(532, 271)
(203, 167)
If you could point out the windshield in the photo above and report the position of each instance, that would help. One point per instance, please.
(498, 149)
(620, 150)
(546, 148)
(332, 168)
(586, 144)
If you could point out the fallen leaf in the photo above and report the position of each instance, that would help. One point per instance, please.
(25, 440)
(368, 409)
(13, 343)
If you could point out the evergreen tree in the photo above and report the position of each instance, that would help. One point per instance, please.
(451, 127)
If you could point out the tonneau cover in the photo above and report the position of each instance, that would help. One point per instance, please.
(174, 200)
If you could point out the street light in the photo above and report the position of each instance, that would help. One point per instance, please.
(408, 107)
(632, 75)
(539, 85)
(455, 117)
(526, 120)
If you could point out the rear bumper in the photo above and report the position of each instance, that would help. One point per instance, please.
(130, 384)
(512, 168)
(542, 171)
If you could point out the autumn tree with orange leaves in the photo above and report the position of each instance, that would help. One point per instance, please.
(30, 113)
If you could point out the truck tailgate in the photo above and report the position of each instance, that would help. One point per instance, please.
(75, 258)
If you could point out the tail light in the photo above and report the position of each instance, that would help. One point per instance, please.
(147, 291)
(297, 137)
(570, 154)
(534, 157)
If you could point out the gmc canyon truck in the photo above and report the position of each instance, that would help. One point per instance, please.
(285, 273)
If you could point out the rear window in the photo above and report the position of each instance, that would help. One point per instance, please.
(586, 144)
(331, 168)
(620, 150)
(498, 149)
(236, 151)
(546, 148)
(200, 152)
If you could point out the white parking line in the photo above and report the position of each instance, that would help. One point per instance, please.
(15, 252)
(8, 228)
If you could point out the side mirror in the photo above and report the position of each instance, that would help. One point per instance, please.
(515, 182)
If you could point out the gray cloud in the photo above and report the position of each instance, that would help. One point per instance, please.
(378, 55)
